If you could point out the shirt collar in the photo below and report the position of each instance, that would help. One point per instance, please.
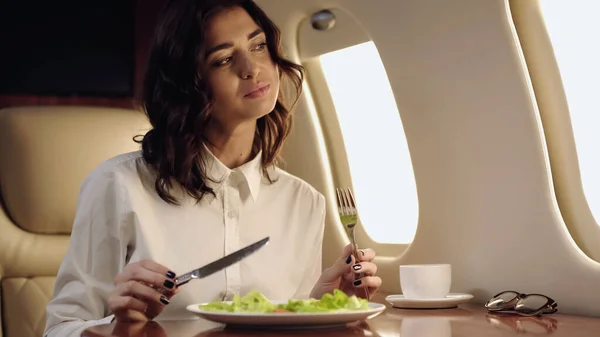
(219, 174)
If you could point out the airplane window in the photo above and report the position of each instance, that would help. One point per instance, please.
(573, 29)
(380, 165)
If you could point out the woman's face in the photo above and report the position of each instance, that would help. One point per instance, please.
(243, 78)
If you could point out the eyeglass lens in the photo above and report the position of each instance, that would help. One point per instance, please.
(502, 299)
(531, 303)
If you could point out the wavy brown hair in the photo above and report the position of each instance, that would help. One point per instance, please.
(178, 101)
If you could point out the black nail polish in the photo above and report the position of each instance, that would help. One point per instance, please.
(164, 300)
(170, 274)
(356, 267)
(349, 259)
(357, 283)
(169, 284)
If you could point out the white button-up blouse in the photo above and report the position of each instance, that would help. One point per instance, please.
(121, 219)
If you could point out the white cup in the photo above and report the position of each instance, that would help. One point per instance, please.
(425, 281)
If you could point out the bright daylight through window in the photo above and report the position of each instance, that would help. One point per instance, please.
(573, 27)
(380, 165)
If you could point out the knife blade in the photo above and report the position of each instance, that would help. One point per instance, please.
(221, 263)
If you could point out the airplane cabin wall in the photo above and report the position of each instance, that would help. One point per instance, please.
(485, 191)
(558, 128)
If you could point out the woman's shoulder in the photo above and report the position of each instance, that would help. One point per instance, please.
(123, 166)
(301, 188)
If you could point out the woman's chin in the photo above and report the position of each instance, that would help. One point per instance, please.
(257, 112)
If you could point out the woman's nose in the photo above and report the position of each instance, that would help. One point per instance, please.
(249, 68)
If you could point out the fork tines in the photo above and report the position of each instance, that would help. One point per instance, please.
(345, 201)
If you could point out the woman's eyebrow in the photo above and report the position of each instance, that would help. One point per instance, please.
(230, 44)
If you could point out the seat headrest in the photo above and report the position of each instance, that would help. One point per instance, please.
(47, 151)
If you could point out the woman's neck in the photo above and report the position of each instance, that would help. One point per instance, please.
(232, 146)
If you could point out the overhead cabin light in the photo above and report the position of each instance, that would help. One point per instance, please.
(323, 20)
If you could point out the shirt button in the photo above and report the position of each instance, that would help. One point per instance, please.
(231, 214)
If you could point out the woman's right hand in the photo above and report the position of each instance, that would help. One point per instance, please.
(141, 291)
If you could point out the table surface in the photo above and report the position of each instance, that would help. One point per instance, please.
(466, 320)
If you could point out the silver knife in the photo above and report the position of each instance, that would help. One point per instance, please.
(221, 263)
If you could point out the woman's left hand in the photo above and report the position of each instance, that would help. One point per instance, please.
(342, 275)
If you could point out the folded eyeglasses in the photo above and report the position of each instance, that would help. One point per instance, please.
(522, 304)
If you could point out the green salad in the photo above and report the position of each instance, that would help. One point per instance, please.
(255, 302)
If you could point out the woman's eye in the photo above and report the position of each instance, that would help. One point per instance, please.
(260, 46)
(222, 62)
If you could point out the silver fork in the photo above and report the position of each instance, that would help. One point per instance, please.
(349, 217)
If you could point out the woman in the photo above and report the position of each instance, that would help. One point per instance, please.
(204, 184)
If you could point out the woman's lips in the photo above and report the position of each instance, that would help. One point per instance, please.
(258, 91)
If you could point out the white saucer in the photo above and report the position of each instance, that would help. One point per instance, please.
(451, 300)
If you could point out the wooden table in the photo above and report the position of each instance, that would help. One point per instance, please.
(468, 320)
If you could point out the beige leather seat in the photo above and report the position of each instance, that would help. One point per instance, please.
(45, 153)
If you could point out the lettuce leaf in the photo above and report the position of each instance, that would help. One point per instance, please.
(251, 302)
(255, 302)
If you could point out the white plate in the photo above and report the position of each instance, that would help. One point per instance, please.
(451, 300)
(288, 320)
